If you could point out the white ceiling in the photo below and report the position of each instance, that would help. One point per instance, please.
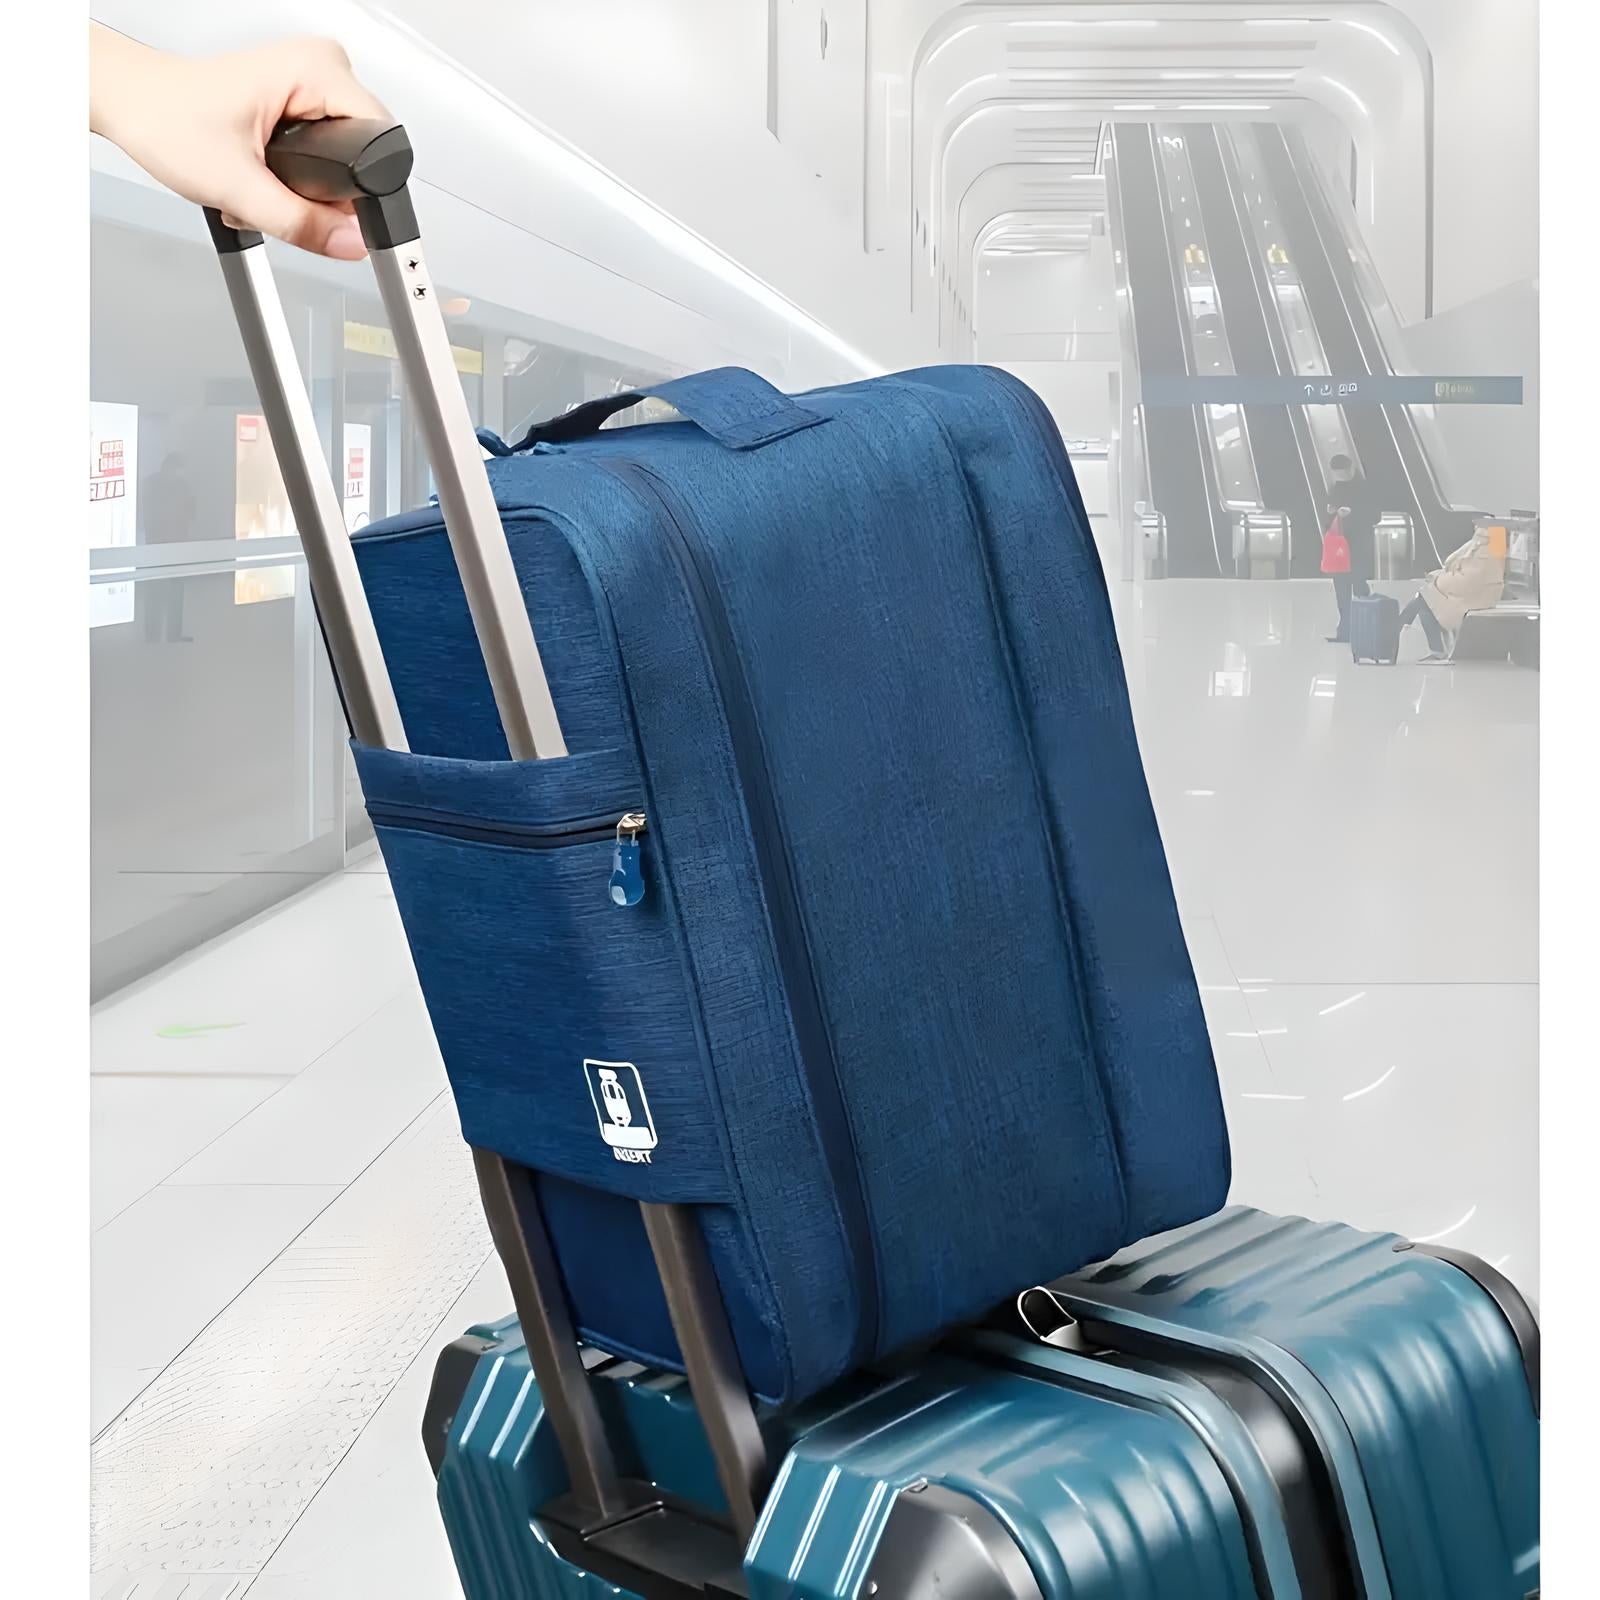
(985, 119)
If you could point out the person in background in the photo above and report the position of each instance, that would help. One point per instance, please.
(170, 517)
(1471, 579)
(1352, 501)
(201, 127)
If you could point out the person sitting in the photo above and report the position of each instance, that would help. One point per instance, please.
(1471, 579)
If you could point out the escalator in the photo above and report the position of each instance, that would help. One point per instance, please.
(1174, 447)
(1287, 472)
(1385, 438)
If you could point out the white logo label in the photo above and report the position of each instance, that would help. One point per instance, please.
(621, 1109)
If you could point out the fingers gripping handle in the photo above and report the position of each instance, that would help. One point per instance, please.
(351, 159)
(339, 160)
(368, 164)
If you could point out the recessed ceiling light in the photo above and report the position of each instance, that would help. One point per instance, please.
(1377, 33)
(1236, 77)
(1345, 89)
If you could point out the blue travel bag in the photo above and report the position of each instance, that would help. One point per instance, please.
(845, 920)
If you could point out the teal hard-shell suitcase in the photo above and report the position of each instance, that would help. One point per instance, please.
(1414, 1369)
(1253, 1406)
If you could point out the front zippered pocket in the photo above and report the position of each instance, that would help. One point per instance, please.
(542, 993)
(625, 885)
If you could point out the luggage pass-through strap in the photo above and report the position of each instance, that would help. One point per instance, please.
(735, 407)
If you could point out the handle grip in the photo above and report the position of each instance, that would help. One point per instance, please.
(340, 158)
(362, 160)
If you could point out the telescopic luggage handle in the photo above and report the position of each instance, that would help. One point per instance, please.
(368, 163)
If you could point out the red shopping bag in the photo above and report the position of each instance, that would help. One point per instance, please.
(1335, 548)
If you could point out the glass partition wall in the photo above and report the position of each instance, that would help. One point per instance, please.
(220, 778)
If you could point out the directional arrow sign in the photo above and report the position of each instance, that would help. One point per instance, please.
(1353, 389)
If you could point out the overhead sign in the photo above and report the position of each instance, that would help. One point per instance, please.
(1371, 389)
(368, 339)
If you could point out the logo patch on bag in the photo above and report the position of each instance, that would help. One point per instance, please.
(621, 1109)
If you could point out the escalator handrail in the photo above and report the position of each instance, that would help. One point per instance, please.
(1271, 318)
(1336, 252)
(1192, 355)
(1208, 471)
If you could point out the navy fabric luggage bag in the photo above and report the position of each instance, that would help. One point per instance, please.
(1375, 628)
(904, 1010)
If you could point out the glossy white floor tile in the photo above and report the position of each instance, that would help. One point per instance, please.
(1353, 851)
(337, 1116)
(1424, 1103)
(163, 1268)
(212, 1465)
(373, 1529)
(142, 1127)
(269, 997)
(1339, 822)
(1271, 1159)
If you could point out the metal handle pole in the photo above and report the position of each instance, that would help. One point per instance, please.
(701, 1323)
(369, 164)
(347, 625)
(504, 630)
(494, 595)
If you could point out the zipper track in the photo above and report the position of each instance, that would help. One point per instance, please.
(1038, 415)
(522, 835)
(776, 870)
(1034, 411)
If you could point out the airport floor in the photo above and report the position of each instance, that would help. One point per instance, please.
(286, 1225)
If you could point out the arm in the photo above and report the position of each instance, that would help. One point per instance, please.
(201, 126)
(1460, 579)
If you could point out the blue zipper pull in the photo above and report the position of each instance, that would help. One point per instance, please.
(627, 877)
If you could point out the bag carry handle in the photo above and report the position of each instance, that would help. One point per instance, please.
(734, 406)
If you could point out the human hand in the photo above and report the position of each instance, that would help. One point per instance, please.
(201, 125)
